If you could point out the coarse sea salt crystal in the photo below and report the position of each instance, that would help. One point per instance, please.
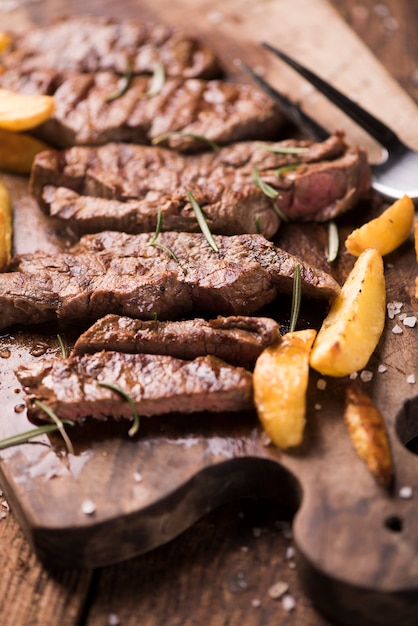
(397, 330)
(366, 376)
(411, 379)
(278, 590)
(321, 384)
(255, 602)
(137, 477)
(113, 619)
(405, 492)
(288, 602)
(382, 368)
(409, 321)
(88, 507)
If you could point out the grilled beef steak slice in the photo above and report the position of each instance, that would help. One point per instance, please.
(220, 111)
(93, 44)
(122, 187)
(157, 384)
(236, 339)
(113, 272)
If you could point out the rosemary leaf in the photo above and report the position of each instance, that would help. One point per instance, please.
(280, 212)
(333, 241)
(296, 297)
(125, 83)
(28, 435)
(59, 424)
(202, 222)
(257, 224)
(179, 133)
(287, 168)
(62, 347)
(283, 149)
(157, 80)
(153, 241)
(267, 189)
(135, 426)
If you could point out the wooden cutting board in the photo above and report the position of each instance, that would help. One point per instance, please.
(355, 542)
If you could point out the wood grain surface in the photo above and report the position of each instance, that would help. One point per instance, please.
(221, 570)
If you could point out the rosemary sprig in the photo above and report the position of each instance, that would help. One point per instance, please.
(267, 189)
(135, 426)
(333, 241)
(279, 212)
(283, 149)
(202, 222)
(153, 241)
(257, 224)
(125, 83)
(157, 80)
(59, 424)
(296, 297)
(62, 347)
(179, 133)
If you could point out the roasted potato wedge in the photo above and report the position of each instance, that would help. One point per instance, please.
(367, 430)
(386, 232)
(351, 330)
(24, 111)
(5, 227)
(17, 151)
(280, 382)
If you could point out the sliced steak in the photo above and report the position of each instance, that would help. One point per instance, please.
(122, 187)
(220, 111)
(114, 272)
(237, 339)
(157, 384)
(93, 44)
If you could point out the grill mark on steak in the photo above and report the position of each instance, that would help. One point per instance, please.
(158, 384)
(93, 44)
(114, 272)
(223, 112)
(238, 340)
(122, 187)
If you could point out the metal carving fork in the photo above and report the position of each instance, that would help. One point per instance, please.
(395, 175)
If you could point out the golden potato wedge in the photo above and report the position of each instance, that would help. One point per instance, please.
(386, 232)
(351, 330)
(280, 381)
(17, 151)
(24, 111)
(367, 430)
(5, 227)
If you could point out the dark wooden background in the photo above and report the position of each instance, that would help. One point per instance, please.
(221, 571)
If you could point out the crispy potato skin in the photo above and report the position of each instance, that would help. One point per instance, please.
(17, 151)
(5, 227)
(351, 331)
(386, 232)
(367, 430)
(21, 112)
(280, 382)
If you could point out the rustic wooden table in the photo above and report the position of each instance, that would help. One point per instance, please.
(222, 570)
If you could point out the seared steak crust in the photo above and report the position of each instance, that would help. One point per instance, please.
(236, 339)
(93, 44)
(114, 272)
(122, 187)
(157, 384)
(220, 111)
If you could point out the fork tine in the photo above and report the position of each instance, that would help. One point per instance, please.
(374, 127)
(289, 108)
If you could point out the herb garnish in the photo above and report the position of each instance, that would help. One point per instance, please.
(125, 83)
(62, 347)
(59, 424)
(28, 435)
(135, 426)
(283, 149)
(202, 222)
(153, 241)
(180, 133)
(157, 80)
(267, 189)
(287, 168)
(333, 241)
(296, 297)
